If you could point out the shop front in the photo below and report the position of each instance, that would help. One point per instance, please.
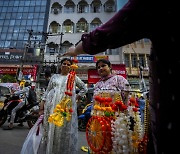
(118, 69)
(29, 72)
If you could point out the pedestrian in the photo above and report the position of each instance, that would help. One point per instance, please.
(141, 101)
(47, 76)
(157, 21)
(62, 139)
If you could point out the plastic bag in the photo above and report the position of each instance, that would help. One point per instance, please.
(33, 139)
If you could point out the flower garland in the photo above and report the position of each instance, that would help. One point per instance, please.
(142, 147)
(120, 127)
(63, 110)
(120, 124)
(137, 129)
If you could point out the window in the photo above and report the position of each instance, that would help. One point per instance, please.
(142, 61)
(68, 26)
(3, 36)
(112, 52)
(6, 22)
(9, 36)
(11, 29)
(95, 23)
(126, 60)
(5, 29)
(54, 27)
(82, 7)
(82, 26)
(134, 60)
(7, 44)
(65, 46)
(23, 22)
(52, 48)
(1, 22)
(69, 7)
(96, 6)
(109, 6)
(30, 16)
(56, 8)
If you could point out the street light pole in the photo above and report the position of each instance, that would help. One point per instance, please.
(20, 71)
(59, 55)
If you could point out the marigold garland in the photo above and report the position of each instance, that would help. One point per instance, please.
(63, 110)
(124, 132)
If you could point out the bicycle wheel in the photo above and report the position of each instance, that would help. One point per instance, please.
(95, 133)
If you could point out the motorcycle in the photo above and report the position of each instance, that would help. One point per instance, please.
(28, 113)
(84, 117)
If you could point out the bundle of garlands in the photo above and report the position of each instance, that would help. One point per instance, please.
(63, 110)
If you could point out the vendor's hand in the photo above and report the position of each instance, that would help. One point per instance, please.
(70, 52)
(74, 51)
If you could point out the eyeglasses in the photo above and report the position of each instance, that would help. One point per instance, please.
(66, 64)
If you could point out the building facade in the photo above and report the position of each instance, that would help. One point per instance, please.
(37, 31)
(69, 19)
(22, 27)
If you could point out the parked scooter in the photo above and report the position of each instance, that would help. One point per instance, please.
(84, 117)
(28, 113)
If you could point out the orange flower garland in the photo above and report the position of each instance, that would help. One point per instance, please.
(63, 109)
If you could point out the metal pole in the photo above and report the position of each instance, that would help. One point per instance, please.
(59, 55)
(20, 73)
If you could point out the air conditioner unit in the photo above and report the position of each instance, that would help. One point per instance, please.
(109, 8)
(55, 11)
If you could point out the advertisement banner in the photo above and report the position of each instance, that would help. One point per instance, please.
(118, 69)
(84, 59)
(26, 70)
(90, 59)
(97, 57)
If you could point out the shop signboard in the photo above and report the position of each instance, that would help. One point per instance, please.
(10, 57)
(90, 59)
(118, 69)
(85, 59)
(97, 57)
(27, 70)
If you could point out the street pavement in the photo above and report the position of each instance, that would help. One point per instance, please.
(11, 141)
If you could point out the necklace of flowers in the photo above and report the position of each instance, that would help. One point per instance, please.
(142, 147)
(135, 122)
(63, 110)
(120, 127)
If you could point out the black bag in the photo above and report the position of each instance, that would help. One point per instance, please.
(32, 98)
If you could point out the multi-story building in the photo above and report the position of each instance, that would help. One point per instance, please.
(135, 56)
(22, 23)
(68, 19)
(27, 27)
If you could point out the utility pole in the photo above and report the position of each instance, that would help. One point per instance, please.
(27, 45)
(59, 55)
